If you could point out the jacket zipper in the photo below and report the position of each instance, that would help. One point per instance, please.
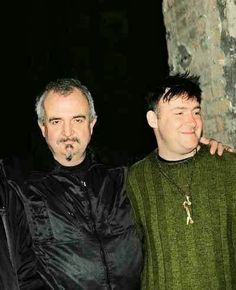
(103, 256)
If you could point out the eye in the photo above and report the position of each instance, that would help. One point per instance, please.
(197, 112)
(179, 113)
(55, 122)
(78, 120)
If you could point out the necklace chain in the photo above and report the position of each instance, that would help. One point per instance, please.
(187, 203)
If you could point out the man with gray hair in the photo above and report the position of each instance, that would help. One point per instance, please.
(80, 218)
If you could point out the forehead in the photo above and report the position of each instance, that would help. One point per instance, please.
(74, 102)
(181, 101)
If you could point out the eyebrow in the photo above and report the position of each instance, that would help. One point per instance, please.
(185, 108)
(79, 116)
(53, 119)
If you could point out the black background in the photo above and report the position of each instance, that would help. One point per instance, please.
(116, 49)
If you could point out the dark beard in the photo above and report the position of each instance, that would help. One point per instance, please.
(69, 154)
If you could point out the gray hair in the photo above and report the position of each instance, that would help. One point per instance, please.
(63, 86)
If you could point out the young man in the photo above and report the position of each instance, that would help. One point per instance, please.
(183, 197)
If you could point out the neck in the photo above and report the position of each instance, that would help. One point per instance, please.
(72, 162)
(173, 156)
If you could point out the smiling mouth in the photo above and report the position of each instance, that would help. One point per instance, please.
(188, 133)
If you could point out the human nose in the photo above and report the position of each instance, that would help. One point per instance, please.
(190, 119)
(67, 129)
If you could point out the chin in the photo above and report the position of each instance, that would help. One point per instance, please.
(190, 147)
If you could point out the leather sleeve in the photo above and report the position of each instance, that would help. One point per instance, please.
(23, 258)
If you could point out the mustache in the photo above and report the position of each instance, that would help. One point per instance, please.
(72, 139)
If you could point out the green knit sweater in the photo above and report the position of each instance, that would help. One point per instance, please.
(201, 255)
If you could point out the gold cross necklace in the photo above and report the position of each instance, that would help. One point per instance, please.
(187, 203)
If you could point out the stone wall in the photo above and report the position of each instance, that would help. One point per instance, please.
(201, 38)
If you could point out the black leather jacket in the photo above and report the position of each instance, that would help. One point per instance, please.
(82, 227)
(18, 265)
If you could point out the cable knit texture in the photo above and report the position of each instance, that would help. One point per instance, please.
(200, 256)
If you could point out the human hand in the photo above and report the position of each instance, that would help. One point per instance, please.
(216, 146)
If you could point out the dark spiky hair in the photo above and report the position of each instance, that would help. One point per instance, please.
(173, 86)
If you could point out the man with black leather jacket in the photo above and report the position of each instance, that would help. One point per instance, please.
(80, 219)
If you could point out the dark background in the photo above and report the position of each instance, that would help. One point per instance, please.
(116, 49)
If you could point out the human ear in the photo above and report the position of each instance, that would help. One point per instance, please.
(92, 123)
(42, 128)
(152, 119)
